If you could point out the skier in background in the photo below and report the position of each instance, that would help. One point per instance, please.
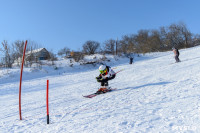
(176, 54)
(106, 74)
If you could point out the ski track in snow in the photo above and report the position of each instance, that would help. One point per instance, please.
(153, 95)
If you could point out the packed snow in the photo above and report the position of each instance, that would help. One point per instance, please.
(153, 94)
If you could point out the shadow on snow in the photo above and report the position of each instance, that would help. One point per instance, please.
(145, 85)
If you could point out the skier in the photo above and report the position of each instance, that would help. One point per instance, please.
(106, 73)
(176, 53)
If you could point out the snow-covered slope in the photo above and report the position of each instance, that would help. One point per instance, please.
(153, 95)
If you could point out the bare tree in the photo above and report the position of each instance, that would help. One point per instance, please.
(109, 46)
(165, 42)
(175, 35)
(32, 45)
(142, 40)
(7, 59)
(64, 52)
(90, 47)
(18, 47)
(30, 57)
(128, 44)
(187, 35)
(154, 41)
(52, 57)
(196, 40)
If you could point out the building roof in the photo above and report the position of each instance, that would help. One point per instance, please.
(35, 51)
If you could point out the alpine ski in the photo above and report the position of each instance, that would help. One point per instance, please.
(95, 94)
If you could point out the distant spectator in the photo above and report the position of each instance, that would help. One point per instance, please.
(131, 60)
(176, 54)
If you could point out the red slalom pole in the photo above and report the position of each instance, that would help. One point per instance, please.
(47, 99)
(20, 83)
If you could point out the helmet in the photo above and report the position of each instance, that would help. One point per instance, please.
(102, 69)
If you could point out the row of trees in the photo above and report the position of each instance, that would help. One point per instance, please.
(13, 53)
(10, 53)
(162, 39)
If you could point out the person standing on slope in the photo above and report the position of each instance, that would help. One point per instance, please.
(176, 53)
(106, 74)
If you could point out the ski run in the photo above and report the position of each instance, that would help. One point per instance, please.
(154, 95)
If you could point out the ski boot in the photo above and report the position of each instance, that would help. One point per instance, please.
(102, 90)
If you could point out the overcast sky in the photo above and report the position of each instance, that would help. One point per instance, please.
(55, 24)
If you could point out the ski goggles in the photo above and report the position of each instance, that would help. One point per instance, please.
(103, 71)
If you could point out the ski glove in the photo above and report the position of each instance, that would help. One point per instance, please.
(99, 77)
(102, 80)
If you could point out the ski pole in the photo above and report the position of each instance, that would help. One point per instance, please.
(119, 71)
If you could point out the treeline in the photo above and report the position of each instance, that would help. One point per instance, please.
(162, 39)
(12, 54)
